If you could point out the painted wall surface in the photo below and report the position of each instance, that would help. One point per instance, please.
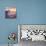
(28, 12)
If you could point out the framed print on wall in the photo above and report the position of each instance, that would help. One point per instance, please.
(30, 33)
(10, 12)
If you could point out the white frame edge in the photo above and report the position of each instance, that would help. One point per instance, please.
(18, 33)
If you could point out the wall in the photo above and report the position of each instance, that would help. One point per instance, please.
(28, 12)
(6, 25)
(33, 12)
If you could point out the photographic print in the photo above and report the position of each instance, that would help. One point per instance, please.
(10, 12)
(33, 32)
